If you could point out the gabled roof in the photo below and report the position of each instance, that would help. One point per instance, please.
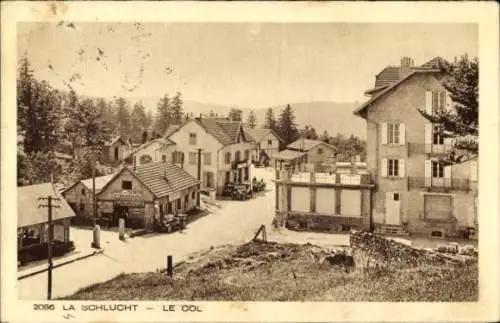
(257, 134)
(114, 140)
(307, 144)
(373, 99)
(225, 131)
(160, 178)
(170, 130)
(100, 182)
(28, 212)
(164, 141)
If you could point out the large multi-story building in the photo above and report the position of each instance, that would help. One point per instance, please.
(415, 191)
(217, 147)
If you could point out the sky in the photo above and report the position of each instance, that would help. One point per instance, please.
(253, 65)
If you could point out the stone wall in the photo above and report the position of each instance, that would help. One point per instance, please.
(390, 252)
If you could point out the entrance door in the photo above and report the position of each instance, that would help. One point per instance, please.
(393, 208)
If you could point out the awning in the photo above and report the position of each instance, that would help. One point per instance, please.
(288, 155)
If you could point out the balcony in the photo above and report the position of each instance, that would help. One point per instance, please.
(440, 184)
(415, 148)
(242, 163)
(328, 178)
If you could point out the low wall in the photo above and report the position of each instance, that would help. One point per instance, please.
(320, 222)
(390, 252)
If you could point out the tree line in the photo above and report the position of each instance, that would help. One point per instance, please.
(52, 122)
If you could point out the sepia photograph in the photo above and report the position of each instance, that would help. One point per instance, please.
(246, 162)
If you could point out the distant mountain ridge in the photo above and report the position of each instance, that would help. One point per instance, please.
(334, 117)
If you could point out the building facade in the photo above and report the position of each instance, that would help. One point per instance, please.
(32, 220)
(144, 194)
(316, 151)
(217, 148)
(414, 189)
(152, 151)
(266, 142)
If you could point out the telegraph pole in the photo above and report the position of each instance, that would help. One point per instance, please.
(50, 235)
(199, 175)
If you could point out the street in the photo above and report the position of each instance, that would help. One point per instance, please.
(234, 222)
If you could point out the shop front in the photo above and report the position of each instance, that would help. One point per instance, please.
(125, 204)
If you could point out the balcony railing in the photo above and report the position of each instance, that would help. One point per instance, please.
(330, 178)
(415, 148)
(461, 184)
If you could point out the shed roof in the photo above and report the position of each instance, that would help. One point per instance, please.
(99, 182)
(257, 134)
(288, 154)
(28, 210)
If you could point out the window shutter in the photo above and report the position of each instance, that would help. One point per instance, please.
(428, 137)
(442, 99)
(383, 168)
(383, 133)
(401, 168)
(428, 102)
(402, 133)
(427, 172)
(473, 171)
(447, 176)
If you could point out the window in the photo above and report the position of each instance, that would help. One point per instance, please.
(393, 167)
(161, 209)
(228, 177)
(83, 191)
(82, 207)
(320, 151)
(193, 195)
(163, 158)
(269, 142)
(227, 158)
(247, 154)
(144, 159)
(192, 139)
(437, 135)
(207, 158)
(396, 196)
(186, 201)
(192, 158)
(237, 156)
(438, 100)
(178, 157)
(126, 185)
(437, 169)
(393, 133)
(116, 153)
(178, 204)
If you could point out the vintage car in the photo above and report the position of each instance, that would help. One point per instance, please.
(228, 189)
(242, 191)
(171, 223)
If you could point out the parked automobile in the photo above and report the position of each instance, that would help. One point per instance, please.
(242, 192)
(228, 189)
(171, 223)
(258, 186)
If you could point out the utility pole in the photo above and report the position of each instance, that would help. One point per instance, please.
(199, 175)
(50, 235)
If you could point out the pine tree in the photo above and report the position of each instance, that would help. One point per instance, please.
(138, 121)
(39, 115)
(252, 119)
(149, 118)
(270, 119)
(325, 137)
(176, 109)
(461, 80)
(163, 115)
(123, 116)
(286, 125)
(235, 114)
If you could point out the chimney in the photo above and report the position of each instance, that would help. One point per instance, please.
(406, 62)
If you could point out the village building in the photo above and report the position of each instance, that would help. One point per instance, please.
(80, 195)
(215, 150)
(415, 192)
(306, 151)
(144, 194)
(32, 220)
(113, 151)
(152, 151)
(323, 200)
(267, 144)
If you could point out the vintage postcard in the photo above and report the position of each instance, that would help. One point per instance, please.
(241, 162)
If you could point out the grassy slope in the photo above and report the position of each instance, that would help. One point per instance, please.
(265, 272)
